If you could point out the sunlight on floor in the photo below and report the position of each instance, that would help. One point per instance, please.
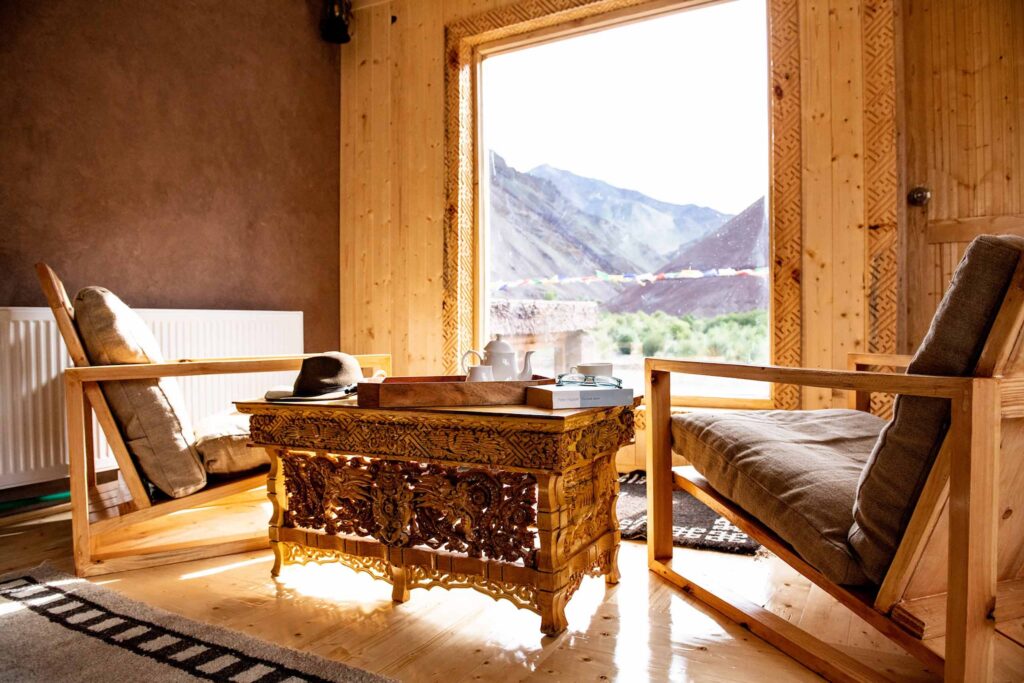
(217, 570)
(334, 582)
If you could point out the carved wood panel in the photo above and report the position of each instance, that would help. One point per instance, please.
(881, 184)
(474, 441)
(786, 187)
(589, 495)
(477, 512)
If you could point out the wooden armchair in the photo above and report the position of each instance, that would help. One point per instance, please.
(946, 590)
(108, 519)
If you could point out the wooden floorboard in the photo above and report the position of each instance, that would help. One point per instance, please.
(642, 629)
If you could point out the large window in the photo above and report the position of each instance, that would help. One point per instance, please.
(623, 206)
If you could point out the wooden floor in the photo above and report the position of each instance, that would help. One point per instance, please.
(641, 629)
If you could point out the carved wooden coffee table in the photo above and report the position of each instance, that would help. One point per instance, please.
(513, 501)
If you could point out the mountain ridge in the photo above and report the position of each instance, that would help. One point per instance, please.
(537, 231)
(742, 241)
(652, 228)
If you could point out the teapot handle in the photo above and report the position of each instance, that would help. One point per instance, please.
(465, 371)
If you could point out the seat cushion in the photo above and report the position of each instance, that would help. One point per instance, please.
(796, 471)
(901, 461)
(222, 441)
(150, 413)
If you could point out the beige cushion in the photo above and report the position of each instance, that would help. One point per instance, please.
(796, 471)
(150, 413)
(899, 465)
(222, 443)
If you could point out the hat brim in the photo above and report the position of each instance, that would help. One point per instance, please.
(273, 397)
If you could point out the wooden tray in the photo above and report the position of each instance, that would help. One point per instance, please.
(444, 391)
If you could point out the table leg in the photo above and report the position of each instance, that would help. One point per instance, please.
(279, 501)
(550, 504)
(611, 478)
(399, 584)
(552, 611)
(613, 576)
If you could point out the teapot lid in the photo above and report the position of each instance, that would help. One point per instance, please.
(498, 345)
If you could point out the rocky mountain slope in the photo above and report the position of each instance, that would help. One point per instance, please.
(652, 229)
(741, 243)
(551, 222)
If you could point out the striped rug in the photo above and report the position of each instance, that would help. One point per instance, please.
(55, 627)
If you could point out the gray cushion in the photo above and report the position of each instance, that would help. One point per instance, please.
(899, 465)
(150, 413)
(796, 471)
(222, 441)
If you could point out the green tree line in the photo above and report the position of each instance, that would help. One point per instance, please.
(734, 337)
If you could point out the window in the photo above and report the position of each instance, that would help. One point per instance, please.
(624, 177)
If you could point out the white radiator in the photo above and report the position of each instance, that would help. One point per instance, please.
(32, 356)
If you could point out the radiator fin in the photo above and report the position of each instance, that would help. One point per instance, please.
(32, 356)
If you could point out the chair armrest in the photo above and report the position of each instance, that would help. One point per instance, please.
(209, 366)
(861, 400)
(857, 361)
(914, 385)
(183, 368)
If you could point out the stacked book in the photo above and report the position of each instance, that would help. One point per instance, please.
(577, 396)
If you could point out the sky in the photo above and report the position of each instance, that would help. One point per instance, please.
(675, 107)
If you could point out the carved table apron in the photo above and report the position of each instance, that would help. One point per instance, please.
(513, 501)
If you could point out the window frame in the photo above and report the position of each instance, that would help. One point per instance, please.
(518, 26)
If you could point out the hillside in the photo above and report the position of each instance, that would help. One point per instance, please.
(650, 230)
(535, 232)
(539, 231)
(741, 243)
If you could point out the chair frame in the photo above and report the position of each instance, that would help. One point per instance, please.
(947, 578)
(94, 525)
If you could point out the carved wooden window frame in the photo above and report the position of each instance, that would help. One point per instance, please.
(463, 40)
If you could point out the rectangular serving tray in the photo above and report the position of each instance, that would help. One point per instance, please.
(445, 390)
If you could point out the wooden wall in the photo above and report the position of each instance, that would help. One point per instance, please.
(843, 90)
(393, 194)
(965, 137)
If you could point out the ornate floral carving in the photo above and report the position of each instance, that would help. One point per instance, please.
(601, 566)
(523, 596)
(425, 438)
(400, 480)
(294, 553)
(588, 443)
(479, 512)
(640, 419)
(590, 494)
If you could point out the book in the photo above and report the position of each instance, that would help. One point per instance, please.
(577, 396)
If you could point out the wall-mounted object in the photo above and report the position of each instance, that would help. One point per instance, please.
(334, 23)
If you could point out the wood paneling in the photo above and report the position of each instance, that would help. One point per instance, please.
(392, 190)
(964, 98)
(849, 183)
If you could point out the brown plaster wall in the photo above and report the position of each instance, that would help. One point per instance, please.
(182, 153)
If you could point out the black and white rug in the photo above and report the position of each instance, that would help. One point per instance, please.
(55, 627)
(694, 525)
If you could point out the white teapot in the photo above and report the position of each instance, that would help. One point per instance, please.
(500, 355)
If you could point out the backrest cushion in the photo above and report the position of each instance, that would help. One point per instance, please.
(900, 463)
(150, 413)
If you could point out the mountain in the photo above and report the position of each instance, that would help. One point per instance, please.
(741, 243)
(649, 230)
(538, 230)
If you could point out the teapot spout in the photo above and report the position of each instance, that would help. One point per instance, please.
(527, 372)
